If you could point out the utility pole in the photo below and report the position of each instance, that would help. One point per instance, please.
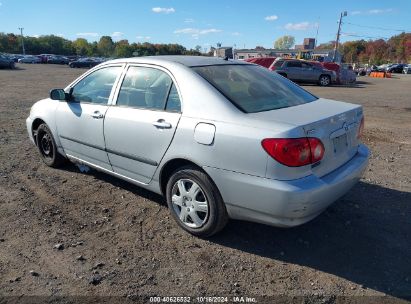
(343, 14)
(316, 34)
(22, 39)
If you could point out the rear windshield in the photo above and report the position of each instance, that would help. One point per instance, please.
(252, 88)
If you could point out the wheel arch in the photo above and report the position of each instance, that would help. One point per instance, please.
(34, 126)
(326, 75)
(171, 166)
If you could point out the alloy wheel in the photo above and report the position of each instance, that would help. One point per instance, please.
(189, 203)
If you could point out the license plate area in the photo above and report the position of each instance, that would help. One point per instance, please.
(340, 143)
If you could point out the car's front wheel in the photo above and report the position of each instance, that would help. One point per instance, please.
(47, 147)
(324, 80)
(195, 202)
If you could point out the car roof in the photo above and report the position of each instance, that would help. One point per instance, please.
(189, 61)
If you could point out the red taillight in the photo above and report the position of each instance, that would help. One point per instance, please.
(361, 129)
(294, 152)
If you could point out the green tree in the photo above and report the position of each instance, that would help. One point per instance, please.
(123, 49)
(82, 47)
(284, 43)
(106, 46)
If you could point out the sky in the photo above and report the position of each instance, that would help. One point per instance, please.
(243, 24)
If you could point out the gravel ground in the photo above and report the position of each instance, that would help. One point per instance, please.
(64, 233)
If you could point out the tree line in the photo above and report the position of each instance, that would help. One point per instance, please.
(106, 47)
(395, 49)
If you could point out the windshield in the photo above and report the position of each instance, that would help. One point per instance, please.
(252, 88)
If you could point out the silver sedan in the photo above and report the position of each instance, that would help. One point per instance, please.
(219, 139)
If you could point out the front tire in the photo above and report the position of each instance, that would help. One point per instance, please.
(195, 202)
(324, 80)
(48, 148)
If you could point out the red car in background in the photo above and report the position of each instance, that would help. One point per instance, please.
(265, 61)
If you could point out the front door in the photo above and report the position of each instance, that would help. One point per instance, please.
(139, 128)
(80, 120)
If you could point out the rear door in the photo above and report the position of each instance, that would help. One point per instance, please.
(308, 72)
(80, 121)
(140, 126)
(294, 70)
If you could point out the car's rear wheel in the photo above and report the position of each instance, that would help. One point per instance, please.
(195, 202)
(47, 147)
(324, 80)
(11, 65)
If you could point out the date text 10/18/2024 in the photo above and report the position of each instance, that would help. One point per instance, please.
(235, 299)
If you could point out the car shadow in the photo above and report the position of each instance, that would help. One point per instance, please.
(117, 182)
(365, 237)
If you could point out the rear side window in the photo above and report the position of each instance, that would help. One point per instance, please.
(279, 63)
(173, 101)
(294, 64)
(253, 88)
(306, 65)
(146, 88)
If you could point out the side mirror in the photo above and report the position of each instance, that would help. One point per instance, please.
(58, 94)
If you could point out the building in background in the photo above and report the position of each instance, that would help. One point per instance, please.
(319, 55)
(302, 51)
(224, 51)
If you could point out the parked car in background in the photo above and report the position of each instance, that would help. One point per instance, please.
(407, 69)
(44, 57)
(219, 139)
(72, 58)
(395, 68)
(6, 62)
(84, 63)
(15, 57)
(57, 59)
(304, 71)
(30, 59)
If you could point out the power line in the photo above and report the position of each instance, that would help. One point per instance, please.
(375, 27)
(362, 36)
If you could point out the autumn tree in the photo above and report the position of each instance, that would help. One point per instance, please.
(284, 43)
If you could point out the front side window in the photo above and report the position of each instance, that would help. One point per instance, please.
(253, 88)
(146, 88)
(96, 87)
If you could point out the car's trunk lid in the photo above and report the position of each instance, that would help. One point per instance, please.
(334, 123)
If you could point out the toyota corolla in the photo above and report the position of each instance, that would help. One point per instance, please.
(219, 139)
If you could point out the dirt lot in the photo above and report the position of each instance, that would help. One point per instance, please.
(122, 235)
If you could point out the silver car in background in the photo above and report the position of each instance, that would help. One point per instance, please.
(219, 139)
(304, 71)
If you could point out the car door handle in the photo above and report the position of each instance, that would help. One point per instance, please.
(97, 115)
(162, 124)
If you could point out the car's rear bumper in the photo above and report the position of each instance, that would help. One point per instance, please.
(286, 203)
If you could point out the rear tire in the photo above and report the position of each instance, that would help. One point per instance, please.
(48, 148)
(195, 202)
(324, 80)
